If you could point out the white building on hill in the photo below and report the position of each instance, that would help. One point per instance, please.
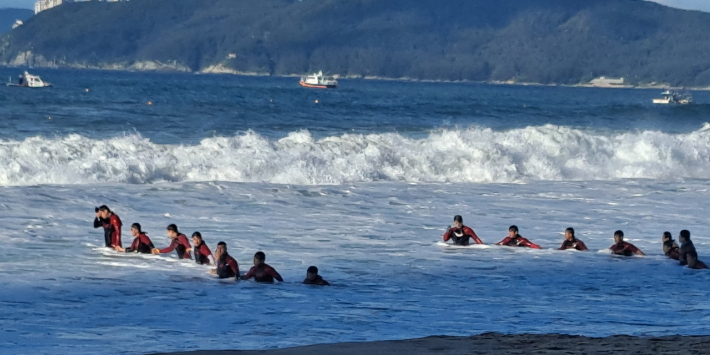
(42, 5)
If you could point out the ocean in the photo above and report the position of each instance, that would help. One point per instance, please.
(360, 181)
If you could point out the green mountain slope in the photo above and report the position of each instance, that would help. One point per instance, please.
(544, 41)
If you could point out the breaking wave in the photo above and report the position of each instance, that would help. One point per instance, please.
(474, 155)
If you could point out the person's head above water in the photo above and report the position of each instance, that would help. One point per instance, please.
(513, 231)
(458, 221)
(136, 229)
(172, 231)
(196, 238)
(104, 211)
(618, 237)
(684, 236)
(312, 273)
(569, 233)
(259, 258)
(667, 237)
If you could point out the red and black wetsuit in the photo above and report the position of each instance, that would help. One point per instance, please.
(141, 244)
(573, 244)
(624, 248)
(689, 256)
(180, 245)
(227, 267)
(262, 273)
(461, 236)
(518, 241)
(671, 249)
(202, 253)
(112, 230)
(318, 281)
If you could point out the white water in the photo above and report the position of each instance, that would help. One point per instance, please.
(460, 156)
(376, 242)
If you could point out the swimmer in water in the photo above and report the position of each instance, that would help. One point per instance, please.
(688, 254)
(179, 243)
(312, 277)
(516, 240)
(261, 271)
(141, 242)
(460, 234)
(571, 242)
(621, 247)
(670, 247)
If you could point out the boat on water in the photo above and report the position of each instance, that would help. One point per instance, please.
(28, 80)
(318, 81)
(671, 97)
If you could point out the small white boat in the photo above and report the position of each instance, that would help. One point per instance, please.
(28, 80)
(318, 81)
(670, 97)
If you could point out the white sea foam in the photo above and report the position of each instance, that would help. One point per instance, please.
(477, 155)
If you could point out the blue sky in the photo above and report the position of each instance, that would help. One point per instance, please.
(703, 5)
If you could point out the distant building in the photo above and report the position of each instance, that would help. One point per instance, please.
(42, 5)
(606, 82)
(17, 24)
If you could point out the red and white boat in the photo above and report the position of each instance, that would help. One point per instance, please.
(318, 81)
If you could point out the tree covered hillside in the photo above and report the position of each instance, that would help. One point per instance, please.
(545, 41)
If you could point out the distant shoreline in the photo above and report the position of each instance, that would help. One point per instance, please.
(158, 67)
(496, 344)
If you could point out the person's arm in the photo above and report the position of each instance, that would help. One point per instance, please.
(529, 244)
(249, 274)
(562, 247)
(116, 234)
(235, 268)
(98, 222)
(447, 235)
(182, 239)
(170, 248)
(473, 235)
(504, 241)
(271, 271)
(634, 250)
(581, 245)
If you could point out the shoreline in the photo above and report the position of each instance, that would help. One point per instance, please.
(493, 343)
(158, 67)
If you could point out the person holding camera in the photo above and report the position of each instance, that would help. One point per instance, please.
(460, 234)
(112, 226)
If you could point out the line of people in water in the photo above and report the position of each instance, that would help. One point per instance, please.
(686, 254)
(225, 265)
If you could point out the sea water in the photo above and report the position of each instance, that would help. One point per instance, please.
(361, 183)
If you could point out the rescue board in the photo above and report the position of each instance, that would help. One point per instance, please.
(454, 246)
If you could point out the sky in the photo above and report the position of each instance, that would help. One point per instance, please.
(703, 5)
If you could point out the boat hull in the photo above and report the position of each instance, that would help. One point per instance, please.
(317, 86)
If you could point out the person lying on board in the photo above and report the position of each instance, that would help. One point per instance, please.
(141, 242)
(261, 271)
(179, 243)
(571, 242)
(688, 254)
(516, 240)
(312, 277)
(203, 255)
(227, 266)
(460, 234)
(621, 247)
(670, 247)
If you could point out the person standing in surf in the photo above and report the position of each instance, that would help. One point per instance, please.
(141, 242)
(460, 234)
(621, 247)
(688, 254)
(203, 255)
(112, 226)
(571, 242)
(261, 271)
(179, 243)
(227, 266)
(516, 240)
(670, 247)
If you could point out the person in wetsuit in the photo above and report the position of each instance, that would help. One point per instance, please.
(179, 243)
(621, 247)
(312, 277)
(261, 271)
(670, 247)
(203, 255)
(516, 240)
(141, 242)
(227, 266)
(571, 242)
(688, 254)
(460, 234)
(112, 226)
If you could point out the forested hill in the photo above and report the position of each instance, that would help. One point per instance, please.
(8, 16)
(543, 41)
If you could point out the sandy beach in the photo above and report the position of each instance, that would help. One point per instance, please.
(495, 343)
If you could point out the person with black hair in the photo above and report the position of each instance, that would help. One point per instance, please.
(670, 247)
(688, 254)
(179, 243)
(460, 234)
(516, 240)
(621, 247)
(112, 226)
(571, 242)
(312, 277)
(261, 271)
(203, 255)
(141, 242)
(227, 266)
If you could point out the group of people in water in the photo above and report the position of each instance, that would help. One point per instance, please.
(225, 265)
(459, 234)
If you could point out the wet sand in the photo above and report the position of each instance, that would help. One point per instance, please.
(494, 343)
